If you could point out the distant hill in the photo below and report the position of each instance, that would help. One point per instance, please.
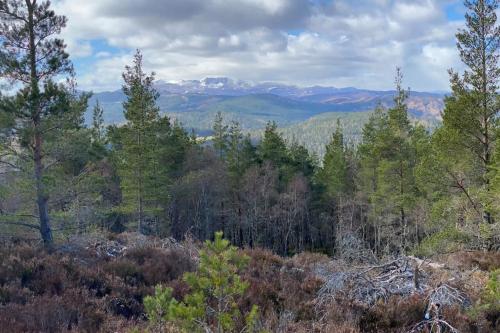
(316, 132)
(194, 103)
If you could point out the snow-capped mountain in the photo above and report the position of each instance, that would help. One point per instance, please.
(230, 87)
(195, 102)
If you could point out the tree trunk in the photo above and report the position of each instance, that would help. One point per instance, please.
(486, 145)
(42, 198)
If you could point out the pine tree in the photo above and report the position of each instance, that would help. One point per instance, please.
(396, 177)
(97, 123)
(211, 305)
(139, 140)
(471, 111)
(388, 162)
(220, 135)
(273, 147)
(300, 160)
(334, 173)
(248, 152)
(370, 150)
(495, 182)
(168, 152)
(34, 59)
(234, 152)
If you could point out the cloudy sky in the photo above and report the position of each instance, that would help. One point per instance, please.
(304, 42)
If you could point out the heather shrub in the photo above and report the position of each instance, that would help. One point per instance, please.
(283, 291)
(396, 313)
(127, 270)
(166, 267)
(74, 286)
(468, 260)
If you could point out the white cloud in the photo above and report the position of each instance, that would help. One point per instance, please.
(79, 48)
(103, 54)
(342, 43)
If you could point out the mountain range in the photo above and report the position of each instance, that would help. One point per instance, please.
(195, 102)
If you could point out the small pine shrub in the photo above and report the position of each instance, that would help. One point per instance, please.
(488, 306)
(214, 291)
(491, 297)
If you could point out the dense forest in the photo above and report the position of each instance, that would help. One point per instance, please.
(398, 188)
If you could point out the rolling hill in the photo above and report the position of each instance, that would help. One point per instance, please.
(195, 103)
(316, 132)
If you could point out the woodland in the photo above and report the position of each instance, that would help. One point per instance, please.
(146, 226)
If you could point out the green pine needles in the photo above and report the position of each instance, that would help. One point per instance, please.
(211, 306)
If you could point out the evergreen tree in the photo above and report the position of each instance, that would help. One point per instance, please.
(34, 59)
(334, 174)
(495, 183)
(234, 152)
(273, 147)
(220, 135)
(248, 155)
(138, 165)
(395, 172)
(169, 151)
(300, 160)
(97, 123)
(370, 150)
(388, 161)
(211, 305)
(471, 112)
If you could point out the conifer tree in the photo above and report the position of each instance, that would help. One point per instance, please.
(273, 147)
(97, 122)
(388, 160)
(234, 152)
(220, 135)
(300, 161)
(248, 152)
(211, 305)
(396, 177)
(471, 112)
(139, 140)
(33, 59)
(334, 173)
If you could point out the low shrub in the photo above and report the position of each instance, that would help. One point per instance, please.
(448, 240)
(211, 304)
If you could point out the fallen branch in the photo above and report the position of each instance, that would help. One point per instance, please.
(433, 325)
(421, 262)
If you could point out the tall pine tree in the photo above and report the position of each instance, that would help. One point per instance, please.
(220, 135)
(138, 139)
(471, 112)
(388, 161)
(33, 59)
(334, 173)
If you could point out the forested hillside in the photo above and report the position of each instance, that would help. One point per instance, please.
(315, 133)
(195, 104)
(136, 223)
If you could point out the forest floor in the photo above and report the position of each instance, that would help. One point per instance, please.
(96, 283)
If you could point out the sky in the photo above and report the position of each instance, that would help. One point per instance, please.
(341, 43)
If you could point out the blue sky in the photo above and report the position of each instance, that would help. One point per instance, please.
(455, 11)
(304, 42)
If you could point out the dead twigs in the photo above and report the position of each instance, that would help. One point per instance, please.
(367, 285)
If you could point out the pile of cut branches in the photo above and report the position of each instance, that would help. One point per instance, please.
(367, 285)
(370, 284)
